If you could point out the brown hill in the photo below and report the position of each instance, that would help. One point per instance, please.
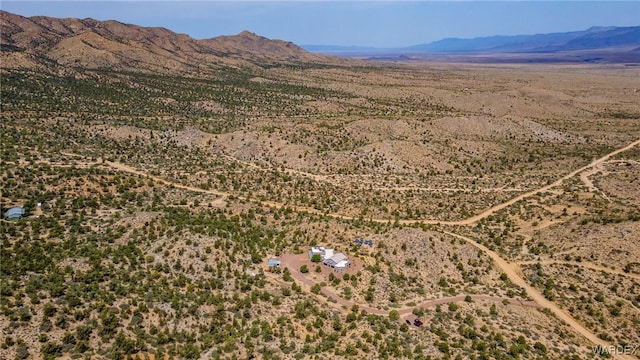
(51, 42)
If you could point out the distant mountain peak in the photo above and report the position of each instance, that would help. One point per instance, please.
(249, 34)
(600, 28)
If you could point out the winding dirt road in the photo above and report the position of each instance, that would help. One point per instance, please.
(514, 274)
(468, 221)
(132, 170)
(558, 182)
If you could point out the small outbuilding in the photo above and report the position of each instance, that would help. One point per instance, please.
(315, 250)
(14, 213)
(273, 262)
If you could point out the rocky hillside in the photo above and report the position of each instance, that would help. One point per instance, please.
(87, 43)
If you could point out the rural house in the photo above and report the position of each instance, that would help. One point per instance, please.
(336, 260)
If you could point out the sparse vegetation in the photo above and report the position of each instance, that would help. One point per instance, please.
(154, 200)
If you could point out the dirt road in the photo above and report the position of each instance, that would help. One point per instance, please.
(558, 182)
(513, 273)
(469, 221)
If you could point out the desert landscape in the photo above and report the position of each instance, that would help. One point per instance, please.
(502, 201)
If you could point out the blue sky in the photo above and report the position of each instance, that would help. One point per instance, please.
(364, 23)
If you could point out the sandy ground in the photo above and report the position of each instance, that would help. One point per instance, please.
(293, 263)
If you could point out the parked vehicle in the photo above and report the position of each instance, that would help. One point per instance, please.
(417, 322)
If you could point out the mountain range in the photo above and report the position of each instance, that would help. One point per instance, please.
(592, 38)
(619, 40)
(87, 43)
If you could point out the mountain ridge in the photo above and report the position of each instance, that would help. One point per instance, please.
(45, 42)
(547, 41)
(596, 38)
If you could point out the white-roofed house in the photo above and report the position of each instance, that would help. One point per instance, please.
(328, 253)
(338, 261)
(335, 260)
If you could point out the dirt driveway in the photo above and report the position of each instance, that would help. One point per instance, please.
(294, 261)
